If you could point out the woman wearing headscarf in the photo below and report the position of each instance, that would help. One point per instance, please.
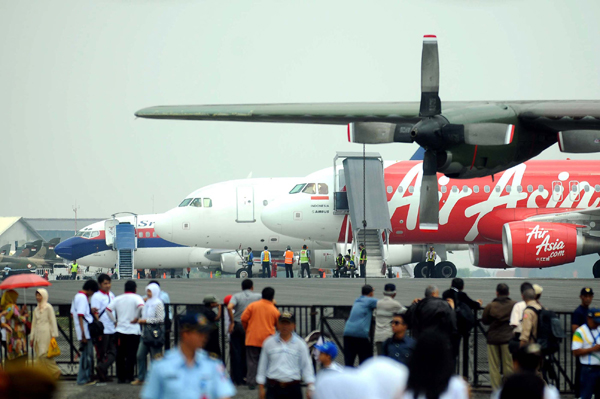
(14, 325)
(153, 319)
(43, 329)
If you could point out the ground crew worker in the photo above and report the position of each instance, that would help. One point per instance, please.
(351, 266)
(265, 258)
(350, 255)
(304, 261)
(249, 262)
(340, 264)
(430, 258)
(363, 260)
(74, 268)
(586, 346)
(289, 262)
(170, 377)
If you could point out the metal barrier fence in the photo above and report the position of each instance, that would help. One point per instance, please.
(330, 321)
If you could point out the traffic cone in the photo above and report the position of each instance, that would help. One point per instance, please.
(324, 274)
(165, 276)
(210, 274)
(398, 275)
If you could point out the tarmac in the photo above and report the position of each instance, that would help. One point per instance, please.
(559, 294)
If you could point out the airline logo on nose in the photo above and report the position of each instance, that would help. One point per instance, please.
(319, 197)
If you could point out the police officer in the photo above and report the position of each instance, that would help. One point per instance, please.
(265, 258)
(363, 260)
(187, 372)
(289, 262)
(249, 261)
(74, 268)
(304, 261)
(340, 264)
(430, 258)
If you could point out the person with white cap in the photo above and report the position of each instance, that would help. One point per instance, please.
(386, 308)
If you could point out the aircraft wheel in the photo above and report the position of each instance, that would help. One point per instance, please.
(596, 269)
(445, 270)
(241, 273)
(420, 270)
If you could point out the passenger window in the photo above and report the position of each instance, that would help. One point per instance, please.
(185, 202)
(486, 189)
(454, 189)
(310, 189)
(519, 189)
(154, 234)
(476, 189)
(597, 188)
(141, 235)
(508, 188)
(541, 188)
(587, 188)
(444, 189)
(323, 189)
(389, 189)
(207, 203)
(400, 189)
(575, 188)
(147, 234)
(498, 189)
(557, 188)
(465, 189)
(530, 188)
(197, 202)
(297, 188)
(411, 189)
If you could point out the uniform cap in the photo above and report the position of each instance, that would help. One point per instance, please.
(195, 321)
(594, 313)
(287, 316)
(327, 348)
(587, 291)
(538, 289)
(210, 299)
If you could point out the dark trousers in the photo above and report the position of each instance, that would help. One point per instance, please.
(577, 381)
(353, 347)
(590, 382)
(363, 269)
(73, 275)
(106, 352)
(249, 267)
(289, 273)
(303, 267)
(431, 269)
(127, 346)
(266, 269)
(252, 356)
(237, 349)
(274, 391)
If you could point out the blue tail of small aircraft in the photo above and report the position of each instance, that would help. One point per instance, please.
(418, 156)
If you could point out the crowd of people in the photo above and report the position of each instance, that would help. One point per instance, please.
(267, 355)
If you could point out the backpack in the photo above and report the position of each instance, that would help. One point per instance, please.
(549, 331)
(465, 319)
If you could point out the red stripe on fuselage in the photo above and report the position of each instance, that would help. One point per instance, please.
(319, 197)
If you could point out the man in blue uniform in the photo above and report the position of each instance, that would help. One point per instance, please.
(187, 372)
(250, 262)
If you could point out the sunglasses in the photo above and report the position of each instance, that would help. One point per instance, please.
(396, 322)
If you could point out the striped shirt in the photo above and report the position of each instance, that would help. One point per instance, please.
(585, 338)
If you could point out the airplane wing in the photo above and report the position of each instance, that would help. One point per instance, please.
(585, 217)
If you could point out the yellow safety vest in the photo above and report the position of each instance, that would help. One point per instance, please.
(266, 256)
(430, 256)
(363, 255)
(289, 257)
(304, 256)
(74, 268)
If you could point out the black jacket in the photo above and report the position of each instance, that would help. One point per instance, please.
(434, 313)
(462, 297)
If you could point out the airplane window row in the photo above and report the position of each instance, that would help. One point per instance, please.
(141, 234)
(574, 188)
(310, 188)
(197, 202)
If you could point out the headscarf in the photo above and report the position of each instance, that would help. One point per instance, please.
(44, 302)
(9, 298)
(150, 307)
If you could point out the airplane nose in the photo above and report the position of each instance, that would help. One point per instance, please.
(64, 249)
(271, 216)
(163, 226)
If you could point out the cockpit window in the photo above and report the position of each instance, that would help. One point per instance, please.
(207, 202)
(297, 188)
(185, 202)
(310, 189)
(94, 234)
(323, 189)
(197, 202)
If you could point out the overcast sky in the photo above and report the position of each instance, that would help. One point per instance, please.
(73, 72)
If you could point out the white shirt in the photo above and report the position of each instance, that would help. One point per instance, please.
(125, 308)
(100, 300)
(386, 308)
(81, 307)
(586, 338)
(457, 389)
(285, 361)
(517, 315)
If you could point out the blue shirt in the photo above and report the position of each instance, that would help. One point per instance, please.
(359, 322)
(399, 349)
(172, 378)
(579, 317)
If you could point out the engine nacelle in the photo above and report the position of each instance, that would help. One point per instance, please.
(399, 255)
(489, 256)
(231, 262)
(532, 244)
(197, 258)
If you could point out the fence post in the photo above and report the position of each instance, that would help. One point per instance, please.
(313, 318)
(475, 354)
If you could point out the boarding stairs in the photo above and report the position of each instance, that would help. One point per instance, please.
(360, 192)
(125, 262)
(125, 244)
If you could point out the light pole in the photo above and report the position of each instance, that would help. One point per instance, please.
(75, 209)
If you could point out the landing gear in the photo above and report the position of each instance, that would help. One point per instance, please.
(445, 269)
(420, 270)
(241, 273)
(596, 269)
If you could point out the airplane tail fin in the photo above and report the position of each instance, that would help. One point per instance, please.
(418, 155)
(50, 254)
(34, 249)
(5, 250)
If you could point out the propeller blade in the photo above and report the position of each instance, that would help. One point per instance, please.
(429, 207)
(430, 78)
(478, 133)
(380, 132)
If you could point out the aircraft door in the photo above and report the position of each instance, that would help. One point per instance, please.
(245, 205)
(557, 191)
(110, 231)
(574, 190)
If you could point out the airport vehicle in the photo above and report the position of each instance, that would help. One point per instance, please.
(462, 139)
(90, 247)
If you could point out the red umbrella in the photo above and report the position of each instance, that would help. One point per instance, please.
(23, 281)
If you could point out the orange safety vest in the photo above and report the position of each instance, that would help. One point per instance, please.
(266, 257)
(289, 257)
